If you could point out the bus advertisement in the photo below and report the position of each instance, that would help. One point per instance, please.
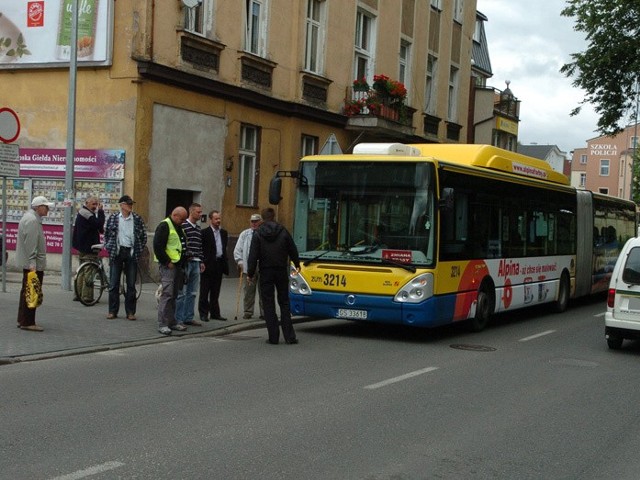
(427, 235)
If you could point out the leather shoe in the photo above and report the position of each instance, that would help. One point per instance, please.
(272, 343)
(222, 319)
(293, 341)
(111, 316)
(195, 323)
(204, 319)
(131, 317)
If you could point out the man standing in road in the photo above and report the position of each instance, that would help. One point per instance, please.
(214, 251)
(193, 267)
(125, 237)
(169, 242)
(241, 256)
(31, 255)
(86, 232)
(273, 249)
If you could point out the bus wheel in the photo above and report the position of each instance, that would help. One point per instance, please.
(485, 305)
(561, 304)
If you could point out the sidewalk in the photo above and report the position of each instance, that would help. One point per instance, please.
(70, 328)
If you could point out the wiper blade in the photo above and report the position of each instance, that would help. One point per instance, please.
(361, 250)
(308, 262)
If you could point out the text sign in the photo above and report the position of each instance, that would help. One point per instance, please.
(9, 160)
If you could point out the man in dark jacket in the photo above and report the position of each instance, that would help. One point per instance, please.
(86, 232)
(274, 248)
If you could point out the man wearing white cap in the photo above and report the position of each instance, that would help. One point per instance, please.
(31, 254)
(241, 256)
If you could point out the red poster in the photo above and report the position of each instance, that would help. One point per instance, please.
(35, 14)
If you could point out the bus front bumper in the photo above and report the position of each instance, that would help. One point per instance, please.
(373, 308)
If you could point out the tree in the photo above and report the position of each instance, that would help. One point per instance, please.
(635, 180)
(608, 69)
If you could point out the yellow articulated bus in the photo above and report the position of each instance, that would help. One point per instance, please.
(427, 235)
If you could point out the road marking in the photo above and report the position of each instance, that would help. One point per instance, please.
(88, 472)
(537, 335)
(600, 314)
(384, 383)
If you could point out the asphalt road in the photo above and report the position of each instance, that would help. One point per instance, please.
(535, 396)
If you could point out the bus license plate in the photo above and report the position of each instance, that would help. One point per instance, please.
(349, 313)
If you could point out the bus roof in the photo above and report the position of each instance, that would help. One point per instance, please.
(473, 155)
(487, 156)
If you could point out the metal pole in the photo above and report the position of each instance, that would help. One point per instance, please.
(4, 234)
(635, 141)
(69, 199)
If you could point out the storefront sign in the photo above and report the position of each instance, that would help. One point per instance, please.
(51, 162)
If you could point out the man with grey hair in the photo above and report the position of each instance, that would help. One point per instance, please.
(31, 255)
(241, 257)
(86, 233)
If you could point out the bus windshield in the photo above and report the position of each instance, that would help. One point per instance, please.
(366, 211)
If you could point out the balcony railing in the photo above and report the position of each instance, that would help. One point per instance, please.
(366, 102)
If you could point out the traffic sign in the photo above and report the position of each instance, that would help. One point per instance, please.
(9, 125)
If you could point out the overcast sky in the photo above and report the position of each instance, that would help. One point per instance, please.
(529, 41)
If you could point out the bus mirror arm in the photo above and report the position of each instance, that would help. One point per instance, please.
(275, 186)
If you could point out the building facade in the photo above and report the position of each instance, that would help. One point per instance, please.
(205, 101)
(605, 164)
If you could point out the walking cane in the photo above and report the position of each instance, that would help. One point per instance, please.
(238, 293)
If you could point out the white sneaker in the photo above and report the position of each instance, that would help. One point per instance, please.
(165, 331)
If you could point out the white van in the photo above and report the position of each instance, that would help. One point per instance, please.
(622, 319)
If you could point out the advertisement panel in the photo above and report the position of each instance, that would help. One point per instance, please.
(37, 33)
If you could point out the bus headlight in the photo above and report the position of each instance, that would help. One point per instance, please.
(297, 283)
(416, 290)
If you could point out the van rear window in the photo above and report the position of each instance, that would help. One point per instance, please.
(631, 271)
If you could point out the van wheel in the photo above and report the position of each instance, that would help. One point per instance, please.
(561, 304)
(614, 342)
(485, 305)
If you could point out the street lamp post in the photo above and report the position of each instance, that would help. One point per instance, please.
(69, 199)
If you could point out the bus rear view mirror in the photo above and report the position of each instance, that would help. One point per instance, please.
(446, 199)
(275, 188)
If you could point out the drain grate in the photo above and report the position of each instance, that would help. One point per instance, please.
(473, 348)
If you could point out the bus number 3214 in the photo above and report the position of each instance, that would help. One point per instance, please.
(333, 280)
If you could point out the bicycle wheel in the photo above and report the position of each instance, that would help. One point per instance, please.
(138, 284)
(90, 283)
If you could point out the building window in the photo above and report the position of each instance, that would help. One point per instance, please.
(604, 191)
(452, 110)
(404, 74)
(583, 180)
(583, 159)
(436, 4)
(248, 165)
(314, 43)
(364, 45)
(604, 168)
(309, 145)
(458, 7)
(256, 27)
(633, 144)
(477, 31)
(430, 87)
(199, 19)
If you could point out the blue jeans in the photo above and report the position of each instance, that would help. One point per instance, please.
(127, 263)
(186, 301)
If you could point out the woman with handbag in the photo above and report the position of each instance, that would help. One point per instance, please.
(31, 255)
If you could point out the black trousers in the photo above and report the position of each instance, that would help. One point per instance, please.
(274, 280)
(210, 283)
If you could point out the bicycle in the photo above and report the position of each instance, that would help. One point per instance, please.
(94, 275)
